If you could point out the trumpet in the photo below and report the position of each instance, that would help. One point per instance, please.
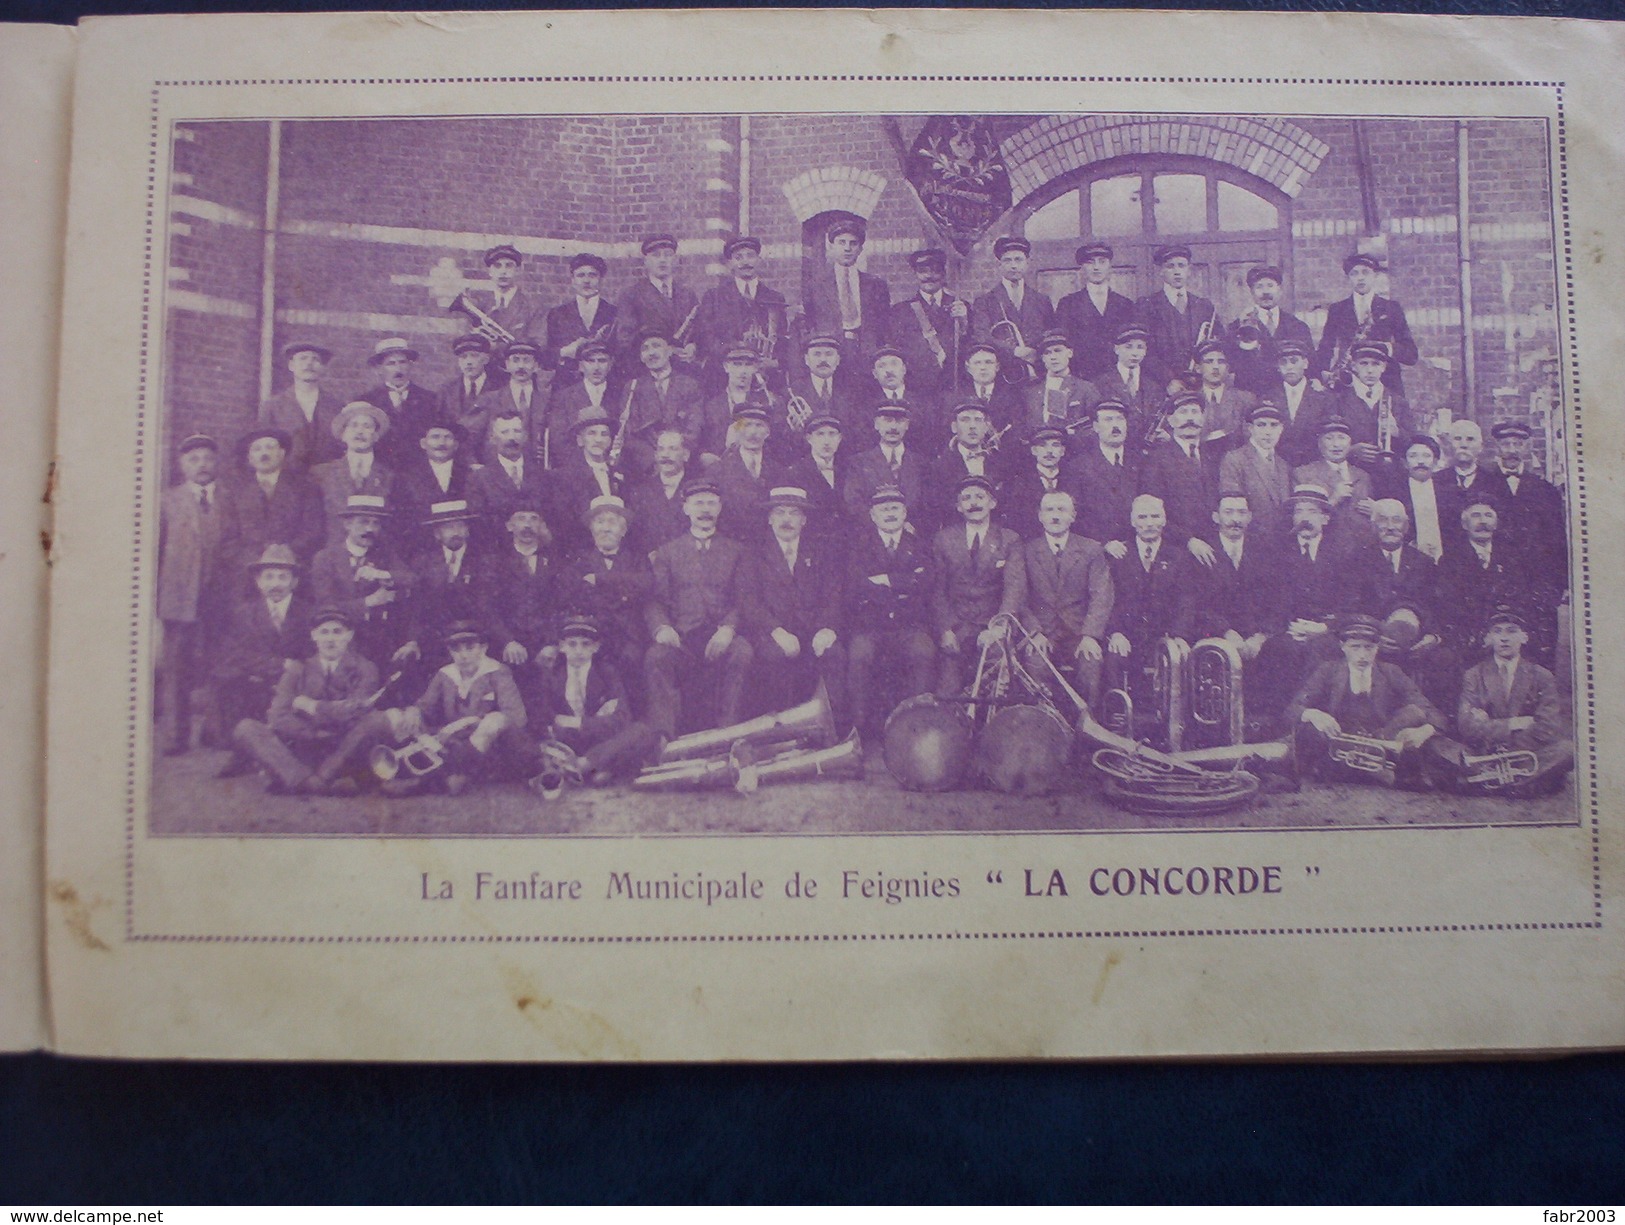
(483, 323)
(418, 758)
(1503, 769)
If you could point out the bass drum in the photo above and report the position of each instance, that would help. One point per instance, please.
(1025, 750)
(928, 743)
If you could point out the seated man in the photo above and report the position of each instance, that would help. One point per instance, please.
(1361, 696)
(888, 609)
(445, 588)
(266, 633)
(791, 609)
(518, 595)
(1154, 587)
(611, 583)
(363, 576)
(1511, 703)
(971, 560)
(1239, 597)
(583, 709)
(316, 703)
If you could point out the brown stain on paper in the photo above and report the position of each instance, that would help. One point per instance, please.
(1113, 960)
(77, 916)
(579, 1031)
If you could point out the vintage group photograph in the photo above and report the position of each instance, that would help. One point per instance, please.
(609, 475)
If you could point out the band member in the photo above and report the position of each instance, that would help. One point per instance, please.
(791, 608)
(659, 304)
(1258, 335)
(567, 399)
(439, 473)
(1013, 314)
(739, 309)
(1379, 415)
(446, 583)
(931, 328)
(693, 618)
(316, 703)
(519, 393)
(1104, 474)
(363, 576)
(1398, 584)
(265, 632)
(1348, 487)
(460, 393)
(742, 385)
(1043, 471)
(656, 500)
(587, 474)
(1257, 470)
(1176, 319)
(1154, 597)
(888, 609)
(1226, 408)
(511, 307)
(825, 383)
(612, 583)
(1060, 586)
(967, 454)
(892, 383)
(409, 406)
(1001, 398)
(1536, 526)
(494, 489)
(189, 588)
(1094, 315)
(583, 705)
(822, 474)
(1183, 474)
(362, 427)
(1365, 316)
(267, 504)
(520, 593)
(1476, 579)
(746, 475)
(971, 561)
(1419, 491)
(1127, 382)
(1238, 596)
(586, 316)
(1059, 398)
(891, 461)
(661, 397)
(1466, 478)
(1360, 695)
(1511, 702)
(1311, 578)
(843, 301)
(303, 409)
(1303, 406)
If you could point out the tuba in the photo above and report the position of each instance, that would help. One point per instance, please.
(809, 725)
(1168, 688)
(1496, 770)
(843, 760)
(483, 323)
(1213, 693)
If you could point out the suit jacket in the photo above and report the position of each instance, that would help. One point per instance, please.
(492, 494)
(1172, 342)
(1245, 598)
(1143, 405)
(887, 591)
(522, 316)
(682, 408)
(970, 589)
(1364, 419)
(520, 606)
(573, 487)
(414, 489)
(1388, 325)
(1067, 597)
(644, 306)
(1535, 522)
(1300, 439)
(1313, 589)
(335, 485)
(1004, 405)
(340, 699)
(802, 603)
(255, 648)
(1022, 492)
(456, 403)
(189, 553)
(476, 422)
(695, 589)
(1452, 499)
(1486, 706)
(1036, 316)
(438, 598)
(1227, 418)
(290, 515)
(938, 499)
(1351, 526)
(1189, 491)
(1105, 491)
(828, 517)
(334, 584)
(926, 369)
(313, 440)
(726, 315)
(852, 399)
(1154, 604)
(1469, 592)
(1267, 484)
(563, 326)
(656, 517)
(869, 471)
(600, 719)
(744, 497)
(1093, 333)
(821, 302)
(1376, 589)
(406, 424)
(615, 594)
(1070, 404)
(1259, 370)
(1327, 689)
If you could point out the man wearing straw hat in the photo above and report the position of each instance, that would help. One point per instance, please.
(362, 575)
(408, 404)
(362, 428)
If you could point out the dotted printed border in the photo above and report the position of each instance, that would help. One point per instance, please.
(1582, 587)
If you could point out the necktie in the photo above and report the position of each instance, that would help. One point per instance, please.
(1305, 550)
(790, 559)
(975, 545)
(530, 564)
(1483, 561)
(893, 460)
(468, 390)
(1196, 454)
(1145, 558)
(665, 290)
(203, 503)
(522, 397)
(327, 682)
(849, 305)
(891, 545)
(397, 396)
(1179, 302)
(277, 613)
(515, 474)
(1393, 560)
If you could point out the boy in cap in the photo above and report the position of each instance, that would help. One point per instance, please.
(361, 427)
(189, 587)
(1011, 307)
(971, 560)
(891, 461)
(612, 582)
(317, 702)
(585, 316)
(460, 394)
(1509, 702)
(741, 309)
(1092, 317)
(1059, 398)
(658, 303)
(931, 326)
(583, 709)
(364, 577)
(514, 308)
(888, 611)
(1379, 415)
(1175, 318)
(1259, 334)
(1303, 406)
(1366, 315)
(659, 397)
(1256, 469)
(408, 406)
(844, 302)
(303, 409)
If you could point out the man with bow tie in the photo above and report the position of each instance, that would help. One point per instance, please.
(192, 601)
(1175, 318)
(971, 561)
(362, 427)
(931, 327)
(584, 317)
(1365, 315)
(512, 307)
(1092, 317)
(1258, 335)
(407, 405)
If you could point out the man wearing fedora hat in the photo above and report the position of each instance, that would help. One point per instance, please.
(659, 301)
(513, 307)
(363, 575)
(460, 393)
(971, 560)
(888, 611)
(1509, 702)
(408, 405)
(1010, 307)
(583, 472)
(190, 593)
(1092, 316)
(1175, 316)
(439, 472)
(1258, 335)
(362, 427)
(303, 409)
(931, 327)
(265, 503)
(840, 300)
(739, 308)
(1367, 315)
(520, 588)
(585, 316)
(583, 705)
(791, 609)
(612, 582)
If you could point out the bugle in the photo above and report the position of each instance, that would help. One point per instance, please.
(1007, 329)
(1341, 372)
(1365, 754)
(483, 323)
(418, 757)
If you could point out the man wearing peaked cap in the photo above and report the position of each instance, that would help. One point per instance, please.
(1128, 382)
(830, 381)
(747, 472)
(821, 472)
(1094, 315)
(583, 705)
(999, 397)
(1537, 527)
(1183, 471)
(304, 409)
(460, 393)
(514, 308)
(1303, 405)
(408, 404)
(1350, 487)
(1366, 315)
(972, 559)
(1175, 316)
(660, 303)
(1035, 465)
(851, 305)
(966, 454)
(1256, 468)
(1225, 407)
(1059, 398)
(584, 316)
(662, 396)
(1262, 329)
(1012, 307)
(1102, 466)
(931, 326)
(895, 459)
(740, 308)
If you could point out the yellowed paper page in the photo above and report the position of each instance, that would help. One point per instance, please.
(275, 865)
(36, 65)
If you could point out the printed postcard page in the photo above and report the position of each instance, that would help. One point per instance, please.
(35, 74)
(838, 535)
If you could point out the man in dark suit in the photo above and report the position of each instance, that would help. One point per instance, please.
(971, 560)
(892, 383)
(745, 475)
(1183, 474)
(446, 585)
(268, 504)
(1303, 407)
(1256, 469)
(1127, 382)
(656, 500)
(1043, 471)
(192, 600)
(1397, 583)
(822, 474)
(1507, 703)
(494, 489)
(1000, 398)
(510, 306)
(1225, 406)
(660, 304)
(844, 302)
(1094, 315)
(409, 406)
(303, 410)
(740, 309)
(519, 392)
(519, 594)
(1380, 417)
(1365, 315)
(1479, 577)
(1537, 528)
(582, 704)
(1060, 589)
(566, 399)
(1103, 473)
(460, 393)
(1154, 597)
(1238, 596)
(1059, 398)
(694, 618)
(1013, 309)
(585, 474)
(965, 455)
(1257, 337)
(439, 473)
(830, 384)
(660, 397)
(1467, 478)
(362, 427)
(932, 327)
(892, 461)
(790, 607)
(1176, 318)
(585, 316)
(363, 576)
(888, 610)
(612, 583)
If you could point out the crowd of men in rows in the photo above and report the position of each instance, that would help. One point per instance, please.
(622, 521)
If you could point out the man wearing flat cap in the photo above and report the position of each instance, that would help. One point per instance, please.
(1036, 466)
(972, 560)
(582, 474)
(361, 427)
(612, 582)
(893, 382)
(519, 392)
(408, 405)
(658, 303)
(1349, 486)
(1365, 315)
(1225, 406)
(831, 383)
(513, 307)
(660, 397)
(264, 503)
(583, 705)
(1059, 398)
(1094, 315)
(303, 409)
(461, 393)
(365, 576)
(1129, 383)
(1011, 307)
(740, 309)
(1256, 337)
(1176, 317)
(1380, 416)
(567, 399)
(931, 327)
(821, 473)
(1303, 405)
(999, 397)
(585, 315)
(888, 610)
(192, 601)
(893, 460)
(1256, 469)
(842, 301)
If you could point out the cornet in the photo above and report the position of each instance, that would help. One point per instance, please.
(1503, 769)
(1365, 754)
(483, 323)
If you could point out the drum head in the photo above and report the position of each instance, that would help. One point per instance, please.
(1025, 750)
(927, 744)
